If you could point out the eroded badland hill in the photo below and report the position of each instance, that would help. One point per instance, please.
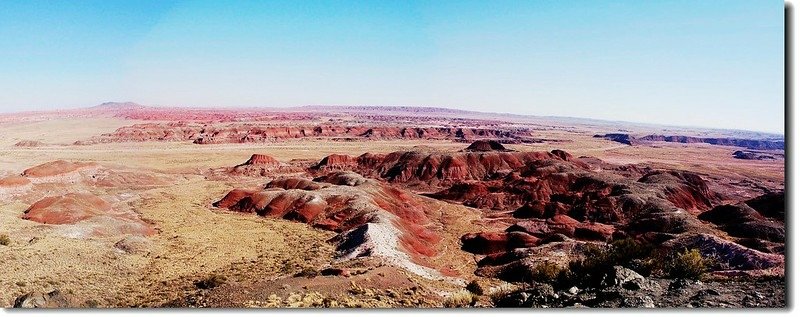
(123, 205)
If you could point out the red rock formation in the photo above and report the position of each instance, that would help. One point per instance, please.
(434, 168)
(685, 190)
(372, 218)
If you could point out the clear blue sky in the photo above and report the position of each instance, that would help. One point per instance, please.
(699, 63)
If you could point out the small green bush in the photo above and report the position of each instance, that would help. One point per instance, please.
(4, 239)
(689, 264)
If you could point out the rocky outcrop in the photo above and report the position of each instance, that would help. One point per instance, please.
(746, 155)
(727, 254)
(52, 299)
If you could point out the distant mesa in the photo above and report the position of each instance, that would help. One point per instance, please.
(751, 144)
(617, 137)
(28, 143)
(486, 146)
(747, 155)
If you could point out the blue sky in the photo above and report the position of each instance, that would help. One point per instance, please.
(695, 63)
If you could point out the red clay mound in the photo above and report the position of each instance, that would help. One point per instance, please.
(69, 208)
(86, 215)
(56, 168)
(259, 165)
(685, 190)
(771, 205)
(486, 146)
(14, 181)
(262, 159)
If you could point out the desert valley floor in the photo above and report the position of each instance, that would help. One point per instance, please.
(123, 205)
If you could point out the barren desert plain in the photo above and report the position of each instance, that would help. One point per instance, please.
(124, 205)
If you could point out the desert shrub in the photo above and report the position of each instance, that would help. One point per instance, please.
(91, 303)
(211, 282)
(546, 272)
(308, 272)
(688, 264)
(4, 239)
(460, 299)
(498, 293)
(626, 251)
(475, 288)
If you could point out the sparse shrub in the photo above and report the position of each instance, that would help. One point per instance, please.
(21, 284)
(308, 272)
(460, 299)
(211, 282)
(546, 272)
(475, 287)
(4, 239)
(91, 303)
(498, 293)
(625, 251)
(689, 264)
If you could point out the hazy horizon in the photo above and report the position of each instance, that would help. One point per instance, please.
(714, 64)
(228, 107)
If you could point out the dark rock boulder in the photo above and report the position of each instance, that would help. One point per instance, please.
(53, 299)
